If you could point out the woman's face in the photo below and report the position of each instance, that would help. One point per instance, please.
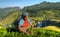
(26, 17)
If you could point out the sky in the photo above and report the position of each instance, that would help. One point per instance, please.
(22, 3)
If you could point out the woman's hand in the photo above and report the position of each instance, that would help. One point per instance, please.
(31, 30)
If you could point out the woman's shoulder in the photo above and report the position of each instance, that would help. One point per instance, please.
(21, 19)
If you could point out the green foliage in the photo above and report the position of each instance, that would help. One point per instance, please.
(2, 32)
(37, 32)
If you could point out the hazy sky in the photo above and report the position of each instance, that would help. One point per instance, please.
(22, 3)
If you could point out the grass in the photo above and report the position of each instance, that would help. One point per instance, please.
(38, 32)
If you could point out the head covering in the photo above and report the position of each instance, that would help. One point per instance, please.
(25, 14)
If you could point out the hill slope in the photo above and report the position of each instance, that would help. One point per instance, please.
(44, 9)
(10, 18)
(8, 10)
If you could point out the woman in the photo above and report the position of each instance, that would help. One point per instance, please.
(23, 24)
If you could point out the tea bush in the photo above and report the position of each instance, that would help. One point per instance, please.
(37, 32)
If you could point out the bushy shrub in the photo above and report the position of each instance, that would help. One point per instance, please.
(37, 32)
(2, 32)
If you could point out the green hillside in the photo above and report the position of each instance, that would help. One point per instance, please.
(5, 11)
(10, 18)
(44, 9)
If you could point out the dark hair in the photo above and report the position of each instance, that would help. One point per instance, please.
(23, 17)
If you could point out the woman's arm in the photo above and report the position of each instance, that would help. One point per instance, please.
(24, 30)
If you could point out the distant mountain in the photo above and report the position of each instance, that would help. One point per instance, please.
(44, 6)
(6, 11)
(44, 9)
